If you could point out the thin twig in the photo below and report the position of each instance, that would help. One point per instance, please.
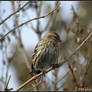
(61, 86)
(12, 30)
(5, 24)
(84, 41)
(85, 73)
(16, 22)
(51, 68)
(6, 86)
(63, 77)
(61, 80)
(56, 78)
(14, 13)
(38, 12)
(73, 75)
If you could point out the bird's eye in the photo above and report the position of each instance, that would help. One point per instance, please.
(55, 36)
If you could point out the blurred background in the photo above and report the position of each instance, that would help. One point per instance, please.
(72, 21)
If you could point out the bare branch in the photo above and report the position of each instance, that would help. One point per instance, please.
(12, 30)
(56, 78)
(14, 13)
(83, 42)
(61, 80)
(33, 78)
(6, 86)
(51, 68)
(38, 12)
(63, 77)
(86, 72)
(73, 75)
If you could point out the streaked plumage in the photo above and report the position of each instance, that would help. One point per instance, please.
(46, 52)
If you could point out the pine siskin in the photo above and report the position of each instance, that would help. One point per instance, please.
(46, 53)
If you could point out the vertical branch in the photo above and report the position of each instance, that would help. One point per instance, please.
(74, 78)
(85, 73)
(19, 38)
(38, 12)
(37, 30)
(56, 70)
(56, 78)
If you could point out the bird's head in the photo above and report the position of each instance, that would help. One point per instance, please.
(52, 36)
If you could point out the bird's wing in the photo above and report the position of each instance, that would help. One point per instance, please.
(38, 50)
(44, 55)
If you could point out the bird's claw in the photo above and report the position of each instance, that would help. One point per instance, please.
(43, 72)
(55, 66)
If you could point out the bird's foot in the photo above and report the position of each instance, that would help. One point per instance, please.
(32, 73)
(43, 71)
(55, 66)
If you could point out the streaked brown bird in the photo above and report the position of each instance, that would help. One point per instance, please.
(46, 53)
